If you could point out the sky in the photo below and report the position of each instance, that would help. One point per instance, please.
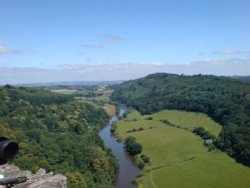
(92, 40)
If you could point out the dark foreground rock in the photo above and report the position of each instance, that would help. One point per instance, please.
(39, 180)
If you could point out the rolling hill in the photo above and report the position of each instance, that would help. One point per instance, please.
(225, 100)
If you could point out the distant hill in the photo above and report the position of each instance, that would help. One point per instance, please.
(71, 83)
(224, 99)
(242, 78)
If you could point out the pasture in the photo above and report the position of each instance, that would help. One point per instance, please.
(178, 157)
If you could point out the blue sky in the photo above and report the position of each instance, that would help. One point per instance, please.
(67, 40)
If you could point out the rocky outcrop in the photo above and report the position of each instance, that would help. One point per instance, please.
(39, 180)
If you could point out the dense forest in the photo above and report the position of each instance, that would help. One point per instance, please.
(242, 78)
(58, 133)
(224, 99)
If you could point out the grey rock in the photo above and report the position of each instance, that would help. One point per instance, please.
(39, 180)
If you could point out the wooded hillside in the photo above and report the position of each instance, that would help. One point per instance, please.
(224, 99)
(57, 133)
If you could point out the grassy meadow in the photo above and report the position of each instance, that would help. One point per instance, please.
(178, 157)
(189, 120)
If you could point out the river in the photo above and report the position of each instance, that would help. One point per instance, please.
(127, 169)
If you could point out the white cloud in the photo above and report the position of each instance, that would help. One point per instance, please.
(227, 52)
(93, 46)
(5, 50)
(106, 37)
(247, 53)
(111, 71)
(112, 38)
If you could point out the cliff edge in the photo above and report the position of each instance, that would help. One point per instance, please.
(41, 179)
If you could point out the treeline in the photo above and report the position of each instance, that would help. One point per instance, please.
(224, 99)
(59, 134)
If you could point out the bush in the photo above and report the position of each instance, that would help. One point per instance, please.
(141, 165)
(149, 118)
(132, 147)
(166, 122)
(199, 131)
(140, 174)
(211, 147)
(141, 129)
(203, 133)
(145, 158)
(113, 129)
(134, 181)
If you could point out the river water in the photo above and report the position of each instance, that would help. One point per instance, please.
(127, 169)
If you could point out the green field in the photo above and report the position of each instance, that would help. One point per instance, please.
(189, 120)
(178, 157)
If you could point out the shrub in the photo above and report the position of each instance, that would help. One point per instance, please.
(141, 129)
(134, 181)
(132, 147)
(140, 174)
(145, 158)
(141, 165)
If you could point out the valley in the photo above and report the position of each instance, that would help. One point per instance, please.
(125, 94)
(182, 132)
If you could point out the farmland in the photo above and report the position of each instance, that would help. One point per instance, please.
(178, 157)
(99, 96)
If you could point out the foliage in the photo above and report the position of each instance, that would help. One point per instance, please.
(57, 133)
(145, 158)
(131, 146)
(141, 165)
(224, 99)
(203, 133)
